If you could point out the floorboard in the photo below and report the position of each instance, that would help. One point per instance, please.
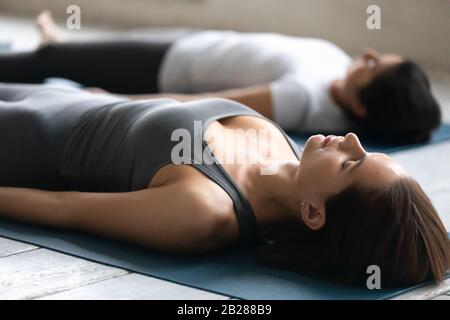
(135, 287)
(41, 272)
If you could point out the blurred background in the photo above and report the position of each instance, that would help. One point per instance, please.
(417, 29)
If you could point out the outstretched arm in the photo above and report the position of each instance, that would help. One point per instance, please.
(150, 217)
(258, 97)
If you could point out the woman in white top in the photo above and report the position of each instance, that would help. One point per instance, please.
(306, 85)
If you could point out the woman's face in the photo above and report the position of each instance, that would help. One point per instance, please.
(364, 69)
(331, 164)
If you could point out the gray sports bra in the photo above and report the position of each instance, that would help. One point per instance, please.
(84, 142)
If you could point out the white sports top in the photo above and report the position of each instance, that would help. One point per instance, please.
(299, 71)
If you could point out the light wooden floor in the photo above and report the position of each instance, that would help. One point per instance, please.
(30, 272)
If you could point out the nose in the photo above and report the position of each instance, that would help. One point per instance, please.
(370, 53)
(351, 143)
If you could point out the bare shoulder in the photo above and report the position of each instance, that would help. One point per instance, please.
(208, 200)
(198, 199)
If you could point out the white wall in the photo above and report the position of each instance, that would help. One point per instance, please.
(419, 29)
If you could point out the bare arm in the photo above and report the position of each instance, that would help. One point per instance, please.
(257, 97)
(34, 206)
(152, 217)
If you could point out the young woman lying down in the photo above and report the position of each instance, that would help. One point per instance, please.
(195, 177)
(304, 84)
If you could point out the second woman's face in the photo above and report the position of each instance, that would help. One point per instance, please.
(368, 65)
(363, 70)
(331, 164)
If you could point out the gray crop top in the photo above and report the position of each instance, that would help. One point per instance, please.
(100, 144)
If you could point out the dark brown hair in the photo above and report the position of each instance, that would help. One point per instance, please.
(395, 228)
(400, 105)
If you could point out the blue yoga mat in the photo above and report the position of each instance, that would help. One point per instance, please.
(230, 272)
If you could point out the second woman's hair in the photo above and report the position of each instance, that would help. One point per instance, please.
(400, 106)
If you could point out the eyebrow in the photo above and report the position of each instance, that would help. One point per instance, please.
(360, 162)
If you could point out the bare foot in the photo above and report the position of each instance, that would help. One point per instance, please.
(48, 29)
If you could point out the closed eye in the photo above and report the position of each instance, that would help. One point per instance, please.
(349, 163)
(345, 164)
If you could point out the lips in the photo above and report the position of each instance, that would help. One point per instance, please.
(327, 140)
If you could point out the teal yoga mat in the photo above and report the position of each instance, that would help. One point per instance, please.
(230, 272)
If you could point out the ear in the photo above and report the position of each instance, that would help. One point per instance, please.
(313, 216)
